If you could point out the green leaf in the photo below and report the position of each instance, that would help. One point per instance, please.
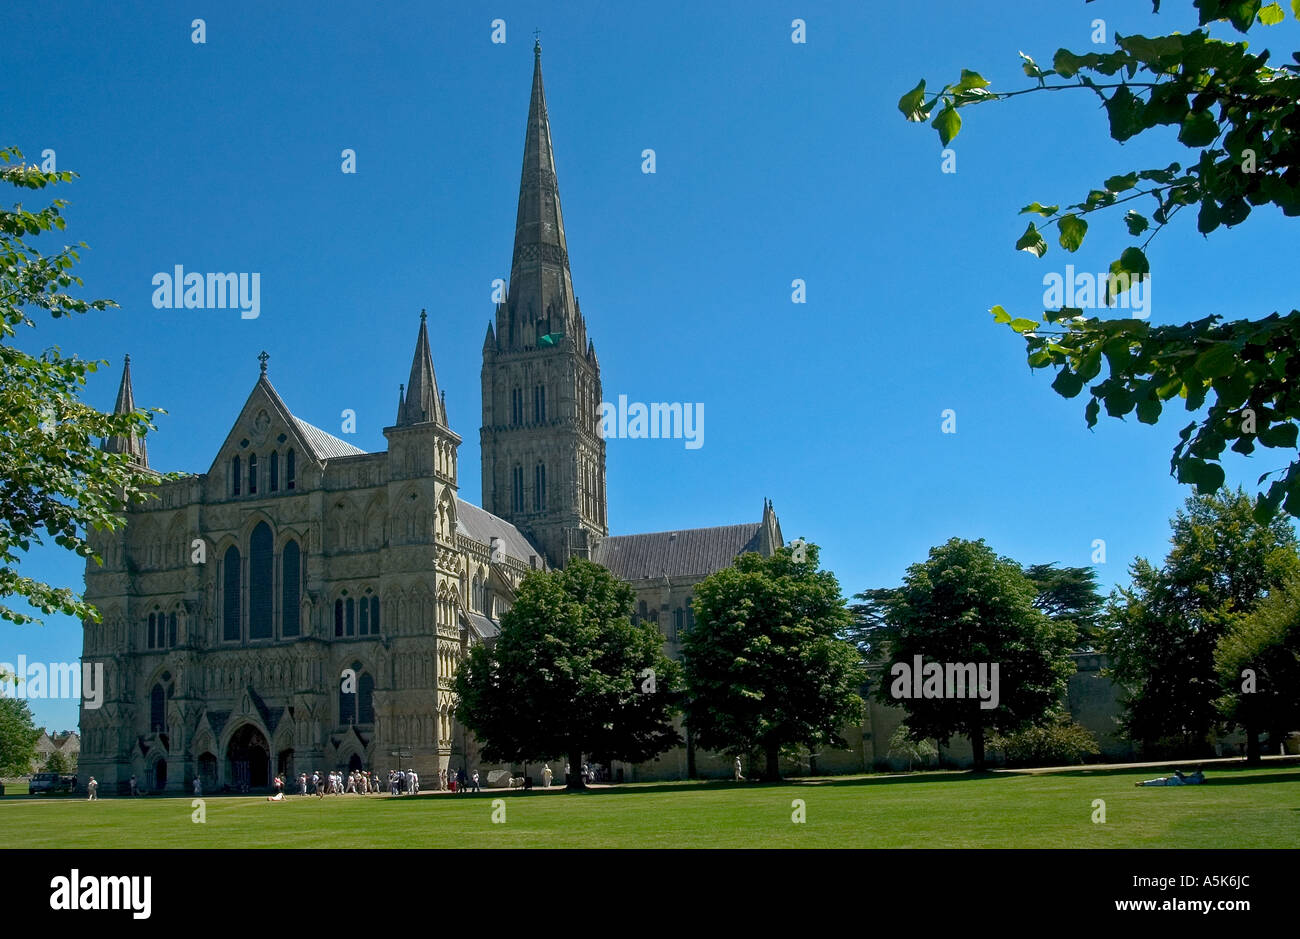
(910, 103)
(1121, 183)
(948, 123)
(1136, 222)
(1032, 241)
(1000, 315)
(1199, 129)
(1023, 326)
(1067, 383)
(971, 80)
(1072, 229)
(1209, 478)
(1148, 410)
(1218, 360)
(1125, 112)
(1046, 211)
(1272, 14)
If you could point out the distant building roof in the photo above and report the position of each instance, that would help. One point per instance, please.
(485, 628)
(687, 553)
(482, 526)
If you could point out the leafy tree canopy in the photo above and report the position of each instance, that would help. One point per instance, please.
(18, 736)
(964, 604)
(765, 667)
(1162, 630)
(55, 481)
(1238, 113)
(570, 675)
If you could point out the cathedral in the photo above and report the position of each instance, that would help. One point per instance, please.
(303, 604)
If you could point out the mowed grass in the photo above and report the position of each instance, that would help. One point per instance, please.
(1236, 808)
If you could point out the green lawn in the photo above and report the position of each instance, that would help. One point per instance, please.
(1236, 808)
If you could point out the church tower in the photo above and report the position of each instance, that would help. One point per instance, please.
(543, 456)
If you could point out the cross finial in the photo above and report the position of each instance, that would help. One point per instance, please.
(262, 358)
(423, 316)
(537, 40)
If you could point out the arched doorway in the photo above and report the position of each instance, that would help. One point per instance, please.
(354, 763)
(250, 759)
(284, 763)
(160, 776)
(208, 771)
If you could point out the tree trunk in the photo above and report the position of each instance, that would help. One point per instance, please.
(573, 780)
(773, 772)
(977, 747)
(1253, 755)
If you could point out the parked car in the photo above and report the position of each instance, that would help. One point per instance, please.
(51, 782)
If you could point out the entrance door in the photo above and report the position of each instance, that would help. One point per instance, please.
(250, 759)
(160, 776)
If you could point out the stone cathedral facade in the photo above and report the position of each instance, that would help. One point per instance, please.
(303, 604)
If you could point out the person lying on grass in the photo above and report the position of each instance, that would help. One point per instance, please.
(1178, 779)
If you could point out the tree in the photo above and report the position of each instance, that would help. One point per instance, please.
(18, 736)
(570, 674)
(965, 605)
(1258, 661)
(868, 621)
(904, 746)
(1238, 114)
(764, 666)
(1068, 594)
(1163, 629)
(56, 763)
(53, 475)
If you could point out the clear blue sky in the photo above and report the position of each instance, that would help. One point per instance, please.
(775, 160)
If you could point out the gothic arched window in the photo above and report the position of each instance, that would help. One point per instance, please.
(365, 699)
(290, 589)
(235, 473)
(274, 484)
(539, 487)
(230, 595)
(261, 560)
(539, 404)
(374, 616)
(171, 630)
(252, 474)
(290, 470)
(517, 489)
(158, 710)
(338, 617)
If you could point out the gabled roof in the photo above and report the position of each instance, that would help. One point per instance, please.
(318, 444)
(688, 553)
(482, 526)
(326, 446)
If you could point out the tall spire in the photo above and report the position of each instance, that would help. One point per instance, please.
(134, 444)
(422, 402)
(540, 301)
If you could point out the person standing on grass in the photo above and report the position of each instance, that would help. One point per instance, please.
(92, 790)
(546, 777)
(134, 790)
(739, 778)
(198, 786)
